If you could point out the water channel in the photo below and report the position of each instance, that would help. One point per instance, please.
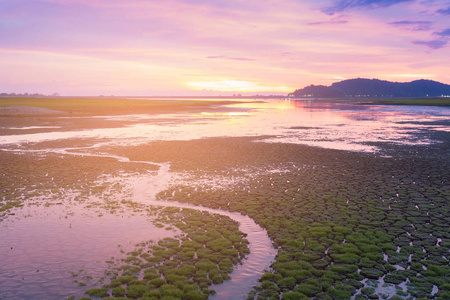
(39, 251)
(262, 253)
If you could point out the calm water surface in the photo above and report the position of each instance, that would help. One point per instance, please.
(41, 246)
(337, 125)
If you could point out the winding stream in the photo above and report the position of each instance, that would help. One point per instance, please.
(244, 276)
(145, 188)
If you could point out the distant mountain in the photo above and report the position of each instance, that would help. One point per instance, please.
(375, 88)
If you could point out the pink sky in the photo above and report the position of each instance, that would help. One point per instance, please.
(203, 47)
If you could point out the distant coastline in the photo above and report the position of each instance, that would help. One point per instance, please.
(361, 88)
(36, 95)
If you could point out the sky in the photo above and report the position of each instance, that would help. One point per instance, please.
(220, 47)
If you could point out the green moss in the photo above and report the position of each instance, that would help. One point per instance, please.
(377, 257)
(205, 264)
(371, 273)
(369, 248)
(346, 248)
(293, 296)
(151, 274)
(367, 291)
(171, 291)
(366, 262)
(394, 278)
(10, 204)
(270, 276)
(319, 231)
(195, 295)
(286, 283)
(348, 258)
(439, 270)
(176, 279)
(334, 209)
(118, 291)
(339, 294)
(344, 268)
(98, 292)
(219, 244)
(136, 291)
(157, 282)
(153, 293)
(308, 289)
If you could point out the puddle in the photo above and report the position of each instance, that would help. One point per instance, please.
(41, 245)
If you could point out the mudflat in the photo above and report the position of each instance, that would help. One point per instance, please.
(85, 106)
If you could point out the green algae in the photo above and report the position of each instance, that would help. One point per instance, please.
(98, 292)
(46, 180)
(183, 267)
(335, 212)
(378, 215)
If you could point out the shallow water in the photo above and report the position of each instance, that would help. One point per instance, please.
(40, 246)
(337, 125)
(43, 245)
(244, 276)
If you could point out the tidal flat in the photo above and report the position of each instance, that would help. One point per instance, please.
(347, 225)
(367, 224)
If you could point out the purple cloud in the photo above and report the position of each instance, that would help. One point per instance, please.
(230, 58)
(444, 11)
(328, 22)
(446, 32)
(341, 5)
(434, 44)
(414, 25)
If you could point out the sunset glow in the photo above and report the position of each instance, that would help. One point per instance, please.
(233, 85)
(201, 47)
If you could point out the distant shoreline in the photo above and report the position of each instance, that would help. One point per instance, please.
(90, 106)
(437, 101)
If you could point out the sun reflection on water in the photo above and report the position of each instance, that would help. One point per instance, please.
(338, 125)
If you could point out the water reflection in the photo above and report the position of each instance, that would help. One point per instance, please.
(346, 125)
(338, 125)
(245, 275)
(40, 246)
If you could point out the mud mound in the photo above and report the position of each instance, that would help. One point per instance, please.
(27, 110)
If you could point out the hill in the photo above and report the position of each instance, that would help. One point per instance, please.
(375, 88)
